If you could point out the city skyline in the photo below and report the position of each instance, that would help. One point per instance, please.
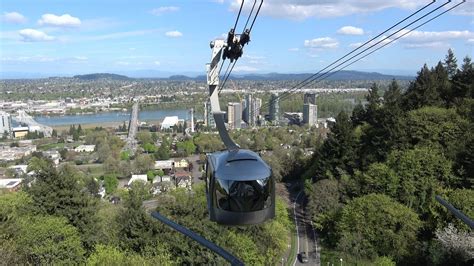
(170, 37)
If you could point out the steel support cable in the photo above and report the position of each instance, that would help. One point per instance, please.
(318, 74)
(228, 75)
(255, 18)
(238, 16)
(251, 12)
(328, 74)
(225, 74)
(220, 68)
(362, 45)
(361, 52)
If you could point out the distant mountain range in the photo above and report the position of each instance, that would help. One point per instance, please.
(97, 76)
(342, 75)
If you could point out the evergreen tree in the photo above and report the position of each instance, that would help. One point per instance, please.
(72, 129)
(463, 81)
(422, 92)
(358, 114)
(138, 231)
(393, 95)
(450, 63)
(59, 193)
(373, 99)
(443, 85)
(336, 156)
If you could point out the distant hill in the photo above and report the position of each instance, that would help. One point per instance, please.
(97, 76)
(188, 76)
(342, 75)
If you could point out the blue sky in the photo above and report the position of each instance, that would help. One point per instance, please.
(83, 36)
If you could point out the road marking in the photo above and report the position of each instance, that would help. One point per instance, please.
(297, 234)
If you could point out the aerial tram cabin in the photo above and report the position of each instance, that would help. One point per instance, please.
(240, 188)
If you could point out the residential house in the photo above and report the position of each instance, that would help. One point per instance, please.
(85, 148)
(183, 179)
(183, 163)
(11, 184)
(165, 165)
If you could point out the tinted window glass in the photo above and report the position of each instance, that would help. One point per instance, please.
(243, 196)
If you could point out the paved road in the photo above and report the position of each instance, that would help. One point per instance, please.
(307, 237)
(195, 173)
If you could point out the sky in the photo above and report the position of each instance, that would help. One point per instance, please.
(290, 36)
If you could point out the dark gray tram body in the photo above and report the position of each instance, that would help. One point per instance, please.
(240, 188)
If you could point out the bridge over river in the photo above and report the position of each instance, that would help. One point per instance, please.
(25, 118)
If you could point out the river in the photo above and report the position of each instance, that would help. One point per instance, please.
(107, 117)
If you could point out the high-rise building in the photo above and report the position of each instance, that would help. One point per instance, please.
(234, 115)
(310, 98)
(208, 117)
(248, 110)
(5, 123)
(274, 109)
(257, 105)
(310, 114)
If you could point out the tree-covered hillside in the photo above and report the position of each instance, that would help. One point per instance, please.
(372, 183)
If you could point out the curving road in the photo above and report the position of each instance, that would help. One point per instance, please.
(307, 236)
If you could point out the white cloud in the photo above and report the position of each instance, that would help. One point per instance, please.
(355, 45)
(31, 35)
(164, 9)
(350, 30)
(13, 17)
(122, 63)
(157, 63)
(303, 9)
(433, 45)
(322, 43)
(245, 69)
(433, 36)
(253, 57)
(470, 41)
(65, 20)
(80, 58)
(29, 59)
(294, 49)
(174, 34)
(119, 35)
(433, 39)
(465, 10)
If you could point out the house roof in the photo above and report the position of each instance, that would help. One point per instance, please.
(10, 182)
(134, 178)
